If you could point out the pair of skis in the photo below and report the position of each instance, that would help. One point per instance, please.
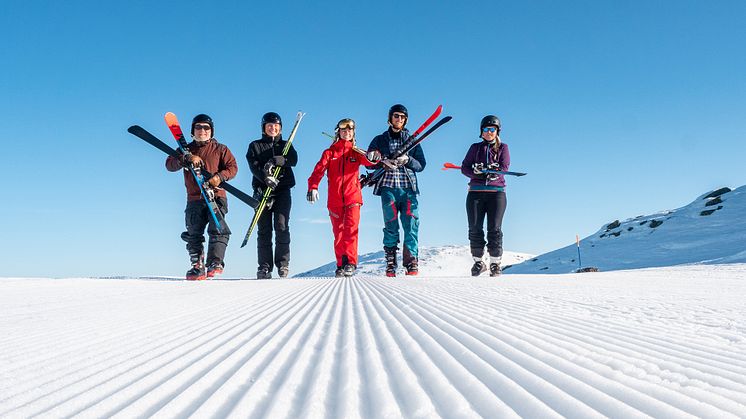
(371, 178)
(201, 175)
(447, 166)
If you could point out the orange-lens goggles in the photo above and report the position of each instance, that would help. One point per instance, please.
(346, 124)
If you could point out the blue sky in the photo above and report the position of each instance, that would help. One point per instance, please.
(615, 108)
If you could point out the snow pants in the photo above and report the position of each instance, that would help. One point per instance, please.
(345, 221)
(197, 217)
(401, 204)
(478, 206)
(278, 217)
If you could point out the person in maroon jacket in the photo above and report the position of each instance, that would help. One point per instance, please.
(486, 195)
(205, 151)
(341, 163)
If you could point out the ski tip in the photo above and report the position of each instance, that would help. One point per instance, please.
(171, 119)
(133, 128)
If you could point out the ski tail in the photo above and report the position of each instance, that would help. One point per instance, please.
(447, 166)
(275, 173)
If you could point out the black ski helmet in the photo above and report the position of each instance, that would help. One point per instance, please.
(203, 118)
(489, 120)
(271, 118)
(399, 108)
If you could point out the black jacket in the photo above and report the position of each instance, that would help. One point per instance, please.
(261, 151)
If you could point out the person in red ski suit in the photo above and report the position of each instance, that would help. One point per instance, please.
(341, 163)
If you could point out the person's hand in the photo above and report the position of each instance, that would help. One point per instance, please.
(278, 161)
(191, 159)
(478, 168)
(271, 181)
(374, 156)
(494, 166)
(312, 196)
(269, 167)
(389, 164)
(215, 181)
(402, 160)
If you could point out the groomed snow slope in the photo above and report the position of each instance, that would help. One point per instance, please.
(667, 342)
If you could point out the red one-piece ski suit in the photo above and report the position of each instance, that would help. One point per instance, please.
(341, 162)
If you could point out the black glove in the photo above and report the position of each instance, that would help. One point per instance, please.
(272, 182)
(269, 167)
(278, 161)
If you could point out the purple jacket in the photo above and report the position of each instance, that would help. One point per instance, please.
(483, 152)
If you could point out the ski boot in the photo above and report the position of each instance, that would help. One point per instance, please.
(478, 267)
(495, 269)
(283, 271)
(215, 268)
(349, 270)
(197, 272)
(263, 272)
(413, 268)
(339, 273)
(390, 253)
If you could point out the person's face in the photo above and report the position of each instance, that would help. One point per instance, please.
(272, 129)
(489, 133)
(398, 120)
(346, 133)
(202, 131)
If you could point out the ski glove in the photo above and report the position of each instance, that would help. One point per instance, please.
(389, 164)
(278, 161)
(494, 166)
(478, 168)
(312, 196)
(374, 156)
(271, 181)
(268, 168)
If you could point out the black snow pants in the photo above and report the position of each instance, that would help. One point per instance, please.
(197, 217)
(492, 205)
(278, 217)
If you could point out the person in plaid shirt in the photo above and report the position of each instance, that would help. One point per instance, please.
(398, 191)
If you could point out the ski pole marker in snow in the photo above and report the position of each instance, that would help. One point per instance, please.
(580, 265)
(577, 242)
(447, 166)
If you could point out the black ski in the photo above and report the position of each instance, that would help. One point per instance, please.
(149, 138)
(373, 177)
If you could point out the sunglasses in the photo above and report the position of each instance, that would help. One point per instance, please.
(489, 129)
(399, 116)
(202, 126)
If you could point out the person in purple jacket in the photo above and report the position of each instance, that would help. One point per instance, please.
(486, 197)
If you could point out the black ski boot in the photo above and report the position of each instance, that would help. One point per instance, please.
(349, 270)
(413, 268)
(264, 272)
(215, 268)
(197, 272)
(390, 253)
(283, 271)
(339, 273)
(495, 269)
(478, 268)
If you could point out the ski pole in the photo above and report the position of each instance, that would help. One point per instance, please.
(577, 241)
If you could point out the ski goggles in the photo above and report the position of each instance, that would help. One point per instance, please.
(346, 124)
(489, 129)
(202, 126)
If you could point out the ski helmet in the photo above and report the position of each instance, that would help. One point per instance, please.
(271, 118)
(206, 119)
(489, 120)
(399, 108)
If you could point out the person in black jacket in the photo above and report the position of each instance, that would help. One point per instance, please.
(263, 156)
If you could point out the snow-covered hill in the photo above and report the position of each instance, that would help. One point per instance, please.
(667, 342)
(433, 261)
(712, 229)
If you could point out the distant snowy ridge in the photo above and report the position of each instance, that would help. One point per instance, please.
(710, 230)
(439, 261)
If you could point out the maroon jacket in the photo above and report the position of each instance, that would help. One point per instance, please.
(217, 159)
